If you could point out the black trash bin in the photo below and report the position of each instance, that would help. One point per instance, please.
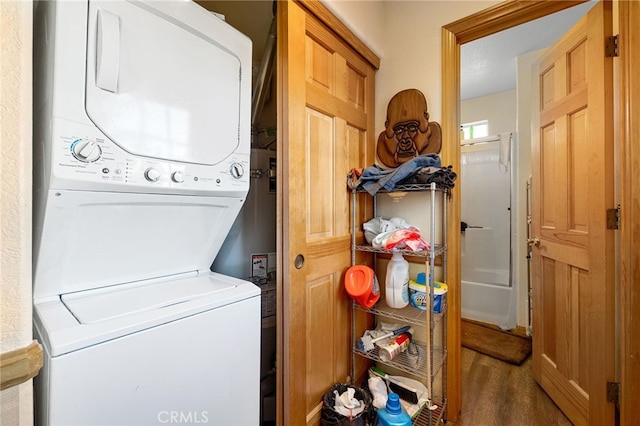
(329, 416)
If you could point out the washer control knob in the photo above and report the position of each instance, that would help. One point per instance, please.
(152, 175)
(86, 150)
(237, 170)
(177, 176)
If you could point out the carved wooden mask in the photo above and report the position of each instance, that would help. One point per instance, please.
(408, 132)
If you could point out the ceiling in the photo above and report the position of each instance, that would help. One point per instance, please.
(488, 65)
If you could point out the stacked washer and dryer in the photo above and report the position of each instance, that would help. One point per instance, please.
(141, 165)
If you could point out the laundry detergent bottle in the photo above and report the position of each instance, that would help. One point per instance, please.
(397, 282)
(393, 414)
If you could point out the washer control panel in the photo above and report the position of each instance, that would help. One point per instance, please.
(237, 170)
(96, 159)
(85, 150)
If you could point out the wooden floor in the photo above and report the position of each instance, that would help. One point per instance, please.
(497, 393)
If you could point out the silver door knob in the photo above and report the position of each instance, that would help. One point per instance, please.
(535, 241)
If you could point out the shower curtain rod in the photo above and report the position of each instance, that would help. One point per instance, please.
(486, 139)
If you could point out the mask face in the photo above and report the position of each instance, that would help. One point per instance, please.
(408, 132)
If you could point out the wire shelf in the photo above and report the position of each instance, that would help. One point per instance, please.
(437, 250)
(406, 188)
(407, 364)
(422, 419)
(407, 314)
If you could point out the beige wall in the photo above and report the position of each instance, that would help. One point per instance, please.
(364, 17)
(407, 37)
(412, 59)
(15, 198)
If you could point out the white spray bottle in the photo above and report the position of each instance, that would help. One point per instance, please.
(397, 282)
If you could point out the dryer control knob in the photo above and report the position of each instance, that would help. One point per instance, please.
(86, 150)
(177, 176)
(152, 175)
(237, 170)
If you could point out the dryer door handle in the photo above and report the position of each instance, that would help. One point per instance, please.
(107, 50)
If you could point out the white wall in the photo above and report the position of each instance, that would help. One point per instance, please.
(498, 108)
(15, 198)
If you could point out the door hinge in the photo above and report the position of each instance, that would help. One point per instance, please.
(613, 392)
(613, 218)
(611, 47)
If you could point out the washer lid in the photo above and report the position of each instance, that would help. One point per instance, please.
(84, 319)
(90, 307)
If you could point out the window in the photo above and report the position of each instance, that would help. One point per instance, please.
(477, 129)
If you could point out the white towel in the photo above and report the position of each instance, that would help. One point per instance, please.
(505, 150)
(378, 390)
(347, 404)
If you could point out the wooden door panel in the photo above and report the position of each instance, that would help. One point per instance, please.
(333, 148)
(356, 88)
(577, 67)
(547, 299)
(551, 196)
(329, 104)
(327, 311)
(578, 404)
(572, 265)
(326, 130)
(319, 65)
(320, 175)
(565, 347)
(578, 176)
(320, 296)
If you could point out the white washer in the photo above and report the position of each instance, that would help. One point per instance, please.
(141, 165)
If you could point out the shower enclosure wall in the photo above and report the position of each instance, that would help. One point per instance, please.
(488, 294)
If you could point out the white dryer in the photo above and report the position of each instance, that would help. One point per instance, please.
(141, 165)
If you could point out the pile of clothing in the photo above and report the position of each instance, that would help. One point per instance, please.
(423, 169)
(394, 233)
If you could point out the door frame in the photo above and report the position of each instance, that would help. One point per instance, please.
(629, 265)
(498, 18)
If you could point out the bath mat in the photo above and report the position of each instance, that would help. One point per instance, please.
(492, 341)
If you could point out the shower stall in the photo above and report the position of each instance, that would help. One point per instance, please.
(488, 293)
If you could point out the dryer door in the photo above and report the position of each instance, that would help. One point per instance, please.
(164, 80)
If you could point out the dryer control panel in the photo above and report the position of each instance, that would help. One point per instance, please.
(91, 161)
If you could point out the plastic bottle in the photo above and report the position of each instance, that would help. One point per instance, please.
(397, 283)
(393, 414)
